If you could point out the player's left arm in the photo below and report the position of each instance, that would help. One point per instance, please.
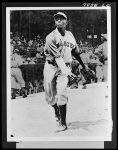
(76, 54)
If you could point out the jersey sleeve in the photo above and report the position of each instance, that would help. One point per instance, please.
(51, 47)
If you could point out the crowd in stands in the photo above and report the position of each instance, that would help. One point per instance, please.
(24, 52)
(31, 52)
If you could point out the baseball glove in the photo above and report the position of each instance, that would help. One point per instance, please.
(88, 74)
(72, 78)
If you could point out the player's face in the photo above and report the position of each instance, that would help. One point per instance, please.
(60, 22)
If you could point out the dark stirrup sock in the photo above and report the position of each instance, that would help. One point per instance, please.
(57, 113)
(63, 109)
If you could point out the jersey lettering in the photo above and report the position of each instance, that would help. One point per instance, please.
(57, 45)
(67, 44)
(71, 45)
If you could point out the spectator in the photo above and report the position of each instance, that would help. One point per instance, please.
(17, 81)
(98, 68)
(105, 64)
(75, 71)
(30, 43)
(11, 47)
(102, 49)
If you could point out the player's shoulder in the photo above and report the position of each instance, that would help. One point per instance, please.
(69, 33)
(51, 35)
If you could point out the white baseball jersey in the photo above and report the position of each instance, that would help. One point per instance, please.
(58, 45)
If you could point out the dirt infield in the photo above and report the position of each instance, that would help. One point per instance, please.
(87, 115)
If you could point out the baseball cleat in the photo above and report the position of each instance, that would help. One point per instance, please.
(61, 128)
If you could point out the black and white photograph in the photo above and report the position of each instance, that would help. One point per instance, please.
(58, 74)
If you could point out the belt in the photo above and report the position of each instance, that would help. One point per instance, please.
(54, 63)
(68, 64)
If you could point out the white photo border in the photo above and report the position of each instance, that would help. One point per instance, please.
(18, 139)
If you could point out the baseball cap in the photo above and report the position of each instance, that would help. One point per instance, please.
(60, 14)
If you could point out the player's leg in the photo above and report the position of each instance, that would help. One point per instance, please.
(57, 113)
(50, 88)
(54, 104)
(50, 83)
(62, 100)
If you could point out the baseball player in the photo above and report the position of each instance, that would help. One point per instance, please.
(59, 47)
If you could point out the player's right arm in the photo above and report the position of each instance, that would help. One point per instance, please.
(53, 51)
(51, 47)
